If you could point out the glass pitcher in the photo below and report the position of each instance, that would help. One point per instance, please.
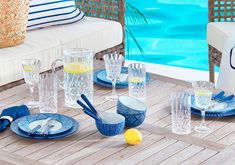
(78, 75)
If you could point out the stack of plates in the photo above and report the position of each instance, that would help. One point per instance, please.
(100, 78)
(222, 109)
(63, 126)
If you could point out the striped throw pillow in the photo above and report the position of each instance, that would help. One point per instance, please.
(44, 13)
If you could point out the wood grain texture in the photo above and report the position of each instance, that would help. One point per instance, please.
(87, 146)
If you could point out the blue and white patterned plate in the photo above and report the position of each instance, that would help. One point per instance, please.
(16, 130)
(102, 83)
(227, 110)
(61, 123)
(100, 77)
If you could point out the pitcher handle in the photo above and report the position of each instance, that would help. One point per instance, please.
(53, 66)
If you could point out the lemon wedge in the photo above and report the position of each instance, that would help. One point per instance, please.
(133, 136)
(28, 68)
(77, 68)
(135, 80)
(202, 92)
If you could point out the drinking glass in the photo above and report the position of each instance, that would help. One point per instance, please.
(113, 65)
(181, 113)
(31, 69)
(47, 93)
(203, 93)
(137, 81)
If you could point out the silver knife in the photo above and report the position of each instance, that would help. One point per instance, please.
(48, 126)
(46, 131)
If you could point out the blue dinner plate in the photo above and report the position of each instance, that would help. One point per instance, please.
(102, 83)
(16, 130)
(63, 123)
(100, 78)
(228, 111)
(197, 112)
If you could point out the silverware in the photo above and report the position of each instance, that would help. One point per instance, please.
(48, 128)
(35, 129)
(225, 99)
(91, 114)
(218, 96)
(46, 125)
(228, 98)
(86, 100)
(32, 131)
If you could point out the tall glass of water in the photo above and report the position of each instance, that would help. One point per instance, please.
(113, 65)
(48, 93)
(203, 93)
(137, 81)
(181, 113)
(31, 69)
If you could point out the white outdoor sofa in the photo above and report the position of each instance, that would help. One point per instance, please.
(100, 35)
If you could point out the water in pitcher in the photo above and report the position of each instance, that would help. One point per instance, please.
(78, 79)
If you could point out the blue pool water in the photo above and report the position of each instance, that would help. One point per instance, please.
(175, 35)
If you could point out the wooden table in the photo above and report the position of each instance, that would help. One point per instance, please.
(87, 146)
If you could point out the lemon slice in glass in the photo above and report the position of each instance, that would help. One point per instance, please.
(202, 92)
(77, 68)
(28, 68)
(135, 80)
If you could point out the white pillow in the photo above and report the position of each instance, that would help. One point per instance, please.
(44, 13)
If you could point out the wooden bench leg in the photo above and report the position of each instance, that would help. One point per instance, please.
(211, 66)
(212, 72)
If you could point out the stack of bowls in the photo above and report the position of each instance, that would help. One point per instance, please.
(132, 109)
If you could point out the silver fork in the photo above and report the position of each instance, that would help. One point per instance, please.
(48, 128)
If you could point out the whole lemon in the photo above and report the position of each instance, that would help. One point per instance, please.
(133, 136)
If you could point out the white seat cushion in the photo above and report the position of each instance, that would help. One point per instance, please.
(47, 44)
(218, 32)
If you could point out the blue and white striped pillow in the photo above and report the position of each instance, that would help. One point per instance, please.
(44, 13)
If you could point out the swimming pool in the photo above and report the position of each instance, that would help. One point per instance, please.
(175, 35)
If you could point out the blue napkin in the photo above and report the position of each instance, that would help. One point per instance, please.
(10, 114)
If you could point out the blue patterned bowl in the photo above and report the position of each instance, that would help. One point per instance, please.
(132, 109)
(112, 125)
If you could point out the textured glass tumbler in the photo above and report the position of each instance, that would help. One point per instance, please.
(181, 113)
(48, 93)
(137, 81)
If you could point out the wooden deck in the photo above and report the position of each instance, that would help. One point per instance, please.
(87, 146)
